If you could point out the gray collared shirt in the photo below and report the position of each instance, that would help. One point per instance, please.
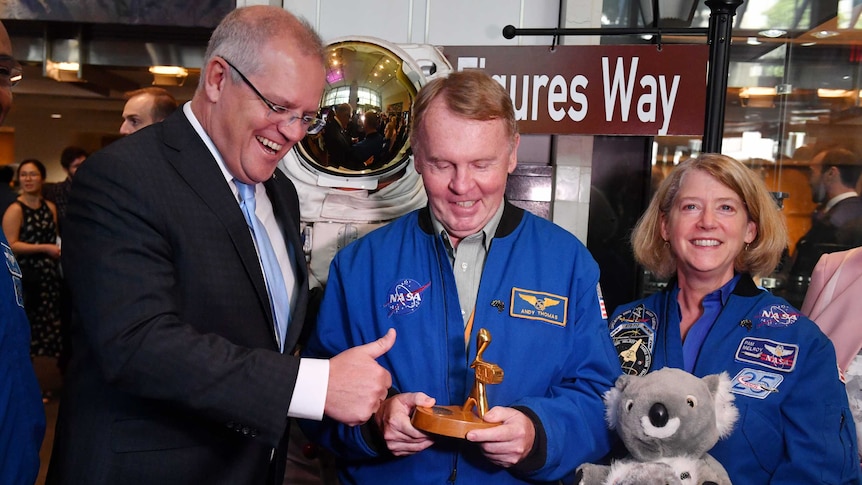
(468, 259)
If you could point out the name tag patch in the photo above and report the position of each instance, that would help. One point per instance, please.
(767, 353)
(755, 383)
(538, 305)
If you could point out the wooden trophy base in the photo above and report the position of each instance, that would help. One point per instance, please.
(448, 421)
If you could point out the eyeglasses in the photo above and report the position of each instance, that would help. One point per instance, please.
(312, 125)
(10, 71)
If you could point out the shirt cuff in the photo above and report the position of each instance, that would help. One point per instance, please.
(309, 393)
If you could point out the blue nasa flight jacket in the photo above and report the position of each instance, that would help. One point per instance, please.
(540, 301)
(794, 422)
(22, 415)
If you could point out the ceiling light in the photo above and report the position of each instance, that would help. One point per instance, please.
(832, 93)
(772, 33)
(757, 91)
(63, 71)
(824, 34)
(757, 97)
(169, 75)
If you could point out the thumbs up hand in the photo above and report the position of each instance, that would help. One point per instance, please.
(357, 383)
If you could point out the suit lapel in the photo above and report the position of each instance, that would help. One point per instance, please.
(194, 163)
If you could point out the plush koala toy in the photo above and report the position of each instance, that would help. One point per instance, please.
(668, 420)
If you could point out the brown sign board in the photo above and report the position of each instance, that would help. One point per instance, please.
(598, 90)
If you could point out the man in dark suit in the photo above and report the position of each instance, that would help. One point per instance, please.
(833, 177)
(335, 139)
(180, 373)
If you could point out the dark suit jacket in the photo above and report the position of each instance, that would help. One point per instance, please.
(826, 235)
(336, 143)
(175, 376)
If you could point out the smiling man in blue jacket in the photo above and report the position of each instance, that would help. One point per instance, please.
(468, 261)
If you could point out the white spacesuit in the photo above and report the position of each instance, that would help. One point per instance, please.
(333, 217)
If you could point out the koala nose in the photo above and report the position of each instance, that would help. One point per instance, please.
(658, 415)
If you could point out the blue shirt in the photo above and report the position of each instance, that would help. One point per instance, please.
(712, 305)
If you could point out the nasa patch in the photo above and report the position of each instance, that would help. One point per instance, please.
(538, 305)
(15, 273)
(11, 262)
(634, 343)
(755, 383)
(767, 353)
(777, 315)
(405, 296)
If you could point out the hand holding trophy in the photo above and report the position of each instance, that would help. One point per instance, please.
(456, 421)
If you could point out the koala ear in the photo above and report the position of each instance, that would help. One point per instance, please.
(612, 409)
(623, 381)
(726, 413)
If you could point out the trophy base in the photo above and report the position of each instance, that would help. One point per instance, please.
(447, 421)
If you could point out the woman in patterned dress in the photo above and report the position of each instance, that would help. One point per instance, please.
(30, 225)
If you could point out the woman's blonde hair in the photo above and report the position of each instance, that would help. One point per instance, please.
(760, 257)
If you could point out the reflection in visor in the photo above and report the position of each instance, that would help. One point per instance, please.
(366, 105)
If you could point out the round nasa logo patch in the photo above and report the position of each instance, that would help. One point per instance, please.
(405, 296)
(777, 316)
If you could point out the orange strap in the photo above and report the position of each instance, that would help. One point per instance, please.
(468, 329)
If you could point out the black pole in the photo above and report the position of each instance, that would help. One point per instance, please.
(721, 13)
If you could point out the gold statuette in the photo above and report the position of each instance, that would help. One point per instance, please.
(456, 421)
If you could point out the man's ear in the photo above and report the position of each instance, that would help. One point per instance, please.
(513, 157)
(215, 75)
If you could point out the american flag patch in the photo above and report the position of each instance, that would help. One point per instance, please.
(601, 301)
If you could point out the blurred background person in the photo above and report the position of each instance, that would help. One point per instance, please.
(371, 151)
(833, 302)
(833, 176)
(714, 226)
(336, 142)
(22, 422)
(30, 226)
(146, 106)
(71, 158)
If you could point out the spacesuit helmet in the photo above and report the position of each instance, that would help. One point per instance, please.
(366, 104)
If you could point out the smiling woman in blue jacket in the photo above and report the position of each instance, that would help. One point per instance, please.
(711, 225)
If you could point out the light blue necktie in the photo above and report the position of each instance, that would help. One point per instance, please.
(278, 296)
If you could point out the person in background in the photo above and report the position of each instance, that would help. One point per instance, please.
(7, 193)
(713, 225)
(70, 159)
(835, 224)
(146, 106)
(468, 261)
(371, 151)
(22, 423)
(336, 142)
(189, 285)
(30, 226)
(833, 302)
